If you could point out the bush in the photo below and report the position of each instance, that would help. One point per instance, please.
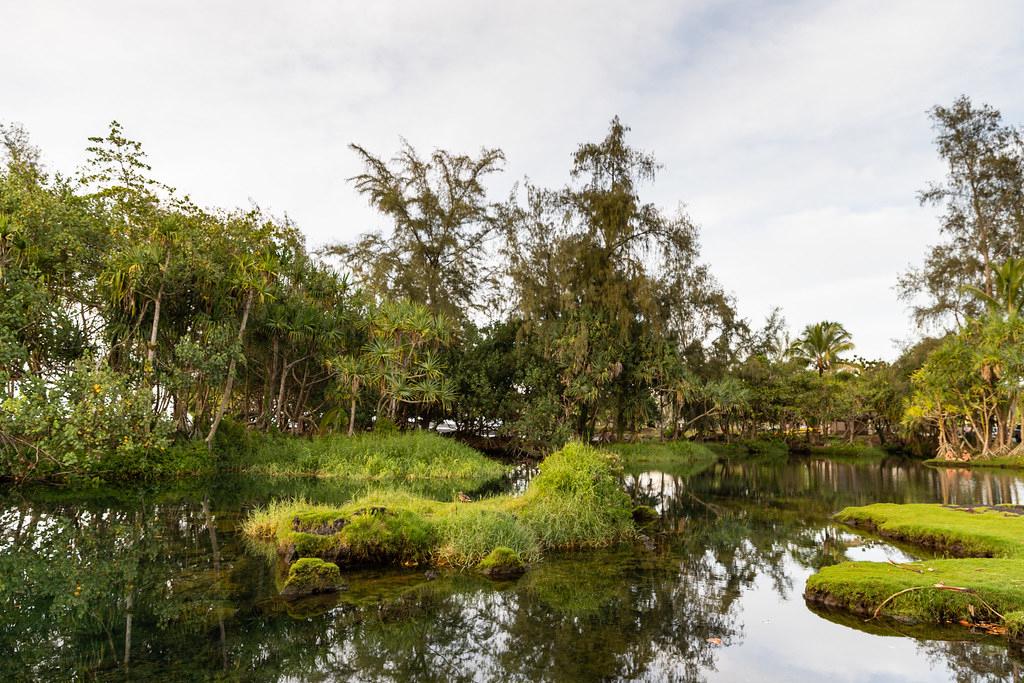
(95, 423)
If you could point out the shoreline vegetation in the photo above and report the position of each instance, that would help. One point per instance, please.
(981, 585)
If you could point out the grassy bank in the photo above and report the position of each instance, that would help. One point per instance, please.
(984, 584)
(404, 456)
(575, 501)
(681, 458)
(999, 462)
(752, 449)
(849, 451)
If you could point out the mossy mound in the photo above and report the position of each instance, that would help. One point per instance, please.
(575, 501)
(311, 575)
(985, 584)
(502, 563)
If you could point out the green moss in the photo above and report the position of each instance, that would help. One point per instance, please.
(575, 501)
(966, 532)
(502, 563)
(862, 587)
(644, 515)
(311, 575)
(1014, 623)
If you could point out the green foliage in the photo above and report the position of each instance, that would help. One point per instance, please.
(502, 562)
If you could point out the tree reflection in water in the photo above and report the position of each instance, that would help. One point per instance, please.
(159, 585)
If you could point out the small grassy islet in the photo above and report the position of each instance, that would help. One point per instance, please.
(575, 501)
(984, 582)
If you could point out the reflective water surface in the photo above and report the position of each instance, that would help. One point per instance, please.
(158, 585)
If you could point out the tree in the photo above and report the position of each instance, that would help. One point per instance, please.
(437, 251)
(821, 344)
(983, 198)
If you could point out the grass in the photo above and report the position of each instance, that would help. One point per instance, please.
(769, 449)
(681, 458)
(965, 532)
(862, 587)
(406, 456)
(985, 583)
(849, 451)
(998, 462)
(575, 501)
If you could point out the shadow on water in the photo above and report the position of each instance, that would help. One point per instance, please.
(157, 584)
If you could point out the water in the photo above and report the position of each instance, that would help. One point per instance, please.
(165, 577)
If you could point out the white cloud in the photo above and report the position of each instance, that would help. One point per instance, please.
(794, 131)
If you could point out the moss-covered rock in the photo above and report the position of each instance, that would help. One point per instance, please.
(502, 563)
(311, 575)
(645, 515)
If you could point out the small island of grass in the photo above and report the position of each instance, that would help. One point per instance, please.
(983, 583)
(574, 502)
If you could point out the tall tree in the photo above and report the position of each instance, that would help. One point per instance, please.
(437, 251)
(983, 222)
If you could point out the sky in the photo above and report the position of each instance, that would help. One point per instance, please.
(795, 133)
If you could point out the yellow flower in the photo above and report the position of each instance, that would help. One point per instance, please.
(96, 388)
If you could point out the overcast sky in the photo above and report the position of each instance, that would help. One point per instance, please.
(795, 133)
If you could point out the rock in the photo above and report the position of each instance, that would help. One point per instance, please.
(502, 563)
(648, 542)
(311, 575)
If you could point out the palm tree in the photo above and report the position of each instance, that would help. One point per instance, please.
(1007, 295)
(821, 344)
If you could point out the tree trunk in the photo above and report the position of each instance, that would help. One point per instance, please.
(226, 396)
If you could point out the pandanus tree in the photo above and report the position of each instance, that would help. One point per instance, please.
(821, 345)
(401, 361)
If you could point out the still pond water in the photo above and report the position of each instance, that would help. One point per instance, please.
(159, 585)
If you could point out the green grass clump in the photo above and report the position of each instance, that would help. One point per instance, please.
(469, 534)
(966, 532)
(575, 501)
(986, 582)
(405, 456)
(1014, 623)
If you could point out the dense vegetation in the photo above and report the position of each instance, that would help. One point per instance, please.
(134, 324)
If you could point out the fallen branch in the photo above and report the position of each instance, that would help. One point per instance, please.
(938, 586)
